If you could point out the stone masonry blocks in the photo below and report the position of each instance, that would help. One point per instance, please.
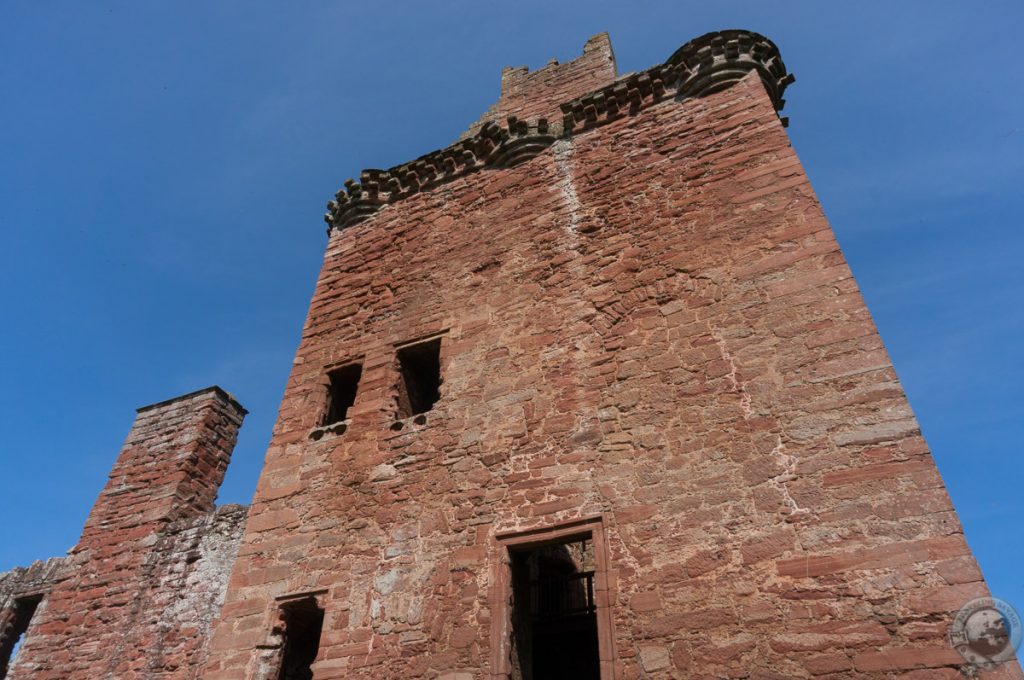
(648, 335)
(648, 322)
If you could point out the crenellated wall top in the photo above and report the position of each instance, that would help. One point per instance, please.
(705, 65)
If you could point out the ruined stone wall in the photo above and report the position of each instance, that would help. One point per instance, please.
(38, 577)
(648, 325)
(21, 591)
(136, 596)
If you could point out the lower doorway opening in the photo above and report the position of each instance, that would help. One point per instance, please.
(554, 614)
(303, 622)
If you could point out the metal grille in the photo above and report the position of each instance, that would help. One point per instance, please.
(557, 597)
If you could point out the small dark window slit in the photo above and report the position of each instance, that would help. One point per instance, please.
(342, 388)
(303, 623)
(420, 384)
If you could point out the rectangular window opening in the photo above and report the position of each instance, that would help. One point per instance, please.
(303, 622)
(24, 609)
(420, 384)
(554, 611)
(341, 392)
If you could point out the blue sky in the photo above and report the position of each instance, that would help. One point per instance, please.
(164, 167)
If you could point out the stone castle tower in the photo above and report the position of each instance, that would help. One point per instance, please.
(588, 394)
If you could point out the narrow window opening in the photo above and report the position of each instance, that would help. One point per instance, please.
(342, 388)
(303, 623)
(24, 609)
(420, 384)
(554, 614)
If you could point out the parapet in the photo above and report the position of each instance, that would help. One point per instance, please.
(536, 94)
(550, 103)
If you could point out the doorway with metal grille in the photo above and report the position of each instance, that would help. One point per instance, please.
(554, 615)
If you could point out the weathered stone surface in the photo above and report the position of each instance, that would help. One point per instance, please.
(646, 326)
(645, 319)
(135, 598)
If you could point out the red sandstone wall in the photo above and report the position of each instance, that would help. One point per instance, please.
(136, 596)
(650, 322)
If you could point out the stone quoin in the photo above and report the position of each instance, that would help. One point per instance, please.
(589, 393)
